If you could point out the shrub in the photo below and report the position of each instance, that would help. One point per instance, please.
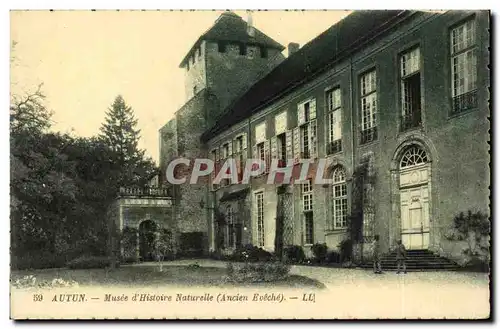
(345, 249)
(251, 253)
(333, 257)
(320, 251)
(85, 262)
(294, 254)
(37, 260)
(257, 272)
(473, 228)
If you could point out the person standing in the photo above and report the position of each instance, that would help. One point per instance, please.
(401, 257)
(377, 266)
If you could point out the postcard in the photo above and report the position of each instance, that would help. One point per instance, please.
(250, 164)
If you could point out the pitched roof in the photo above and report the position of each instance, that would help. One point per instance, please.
(232, 28)
(336, 43)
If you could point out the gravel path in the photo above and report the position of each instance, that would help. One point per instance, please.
(359, 293)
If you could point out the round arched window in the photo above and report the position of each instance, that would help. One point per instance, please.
(339, 199)
(413, 156)
(339, 175)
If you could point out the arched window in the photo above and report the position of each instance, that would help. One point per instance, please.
(339, 200)
(230, 227)
(413, 156)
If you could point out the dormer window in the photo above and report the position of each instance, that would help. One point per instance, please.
(222, 46)
(243, 49)
(263, 52)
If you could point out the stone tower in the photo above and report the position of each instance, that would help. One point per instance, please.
(229, 58)
(222, 64)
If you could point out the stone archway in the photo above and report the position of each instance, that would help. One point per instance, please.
(147, 235)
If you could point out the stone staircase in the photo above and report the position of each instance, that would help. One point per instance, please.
(416, 260)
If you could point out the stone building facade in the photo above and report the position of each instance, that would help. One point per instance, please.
(402, 96)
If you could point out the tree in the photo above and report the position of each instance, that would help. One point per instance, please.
(120, 133)
(162, 247)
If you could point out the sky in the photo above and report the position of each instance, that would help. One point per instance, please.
(85, 59)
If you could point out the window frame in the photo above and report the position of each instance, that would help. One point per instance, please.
(471, 95)
(333, 146)
(414, 118)
(342, 199)
(372, 130)
(260, 220)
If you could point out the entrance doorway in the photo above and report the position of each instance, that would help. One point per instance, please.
(147, 236)
(414, 198)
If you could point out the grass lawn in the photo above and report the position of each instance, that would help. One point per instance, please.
(146, 276)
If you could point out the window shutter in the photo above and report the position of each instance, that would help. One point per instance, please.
(254, 152)
(274, 147)
(301, 114)
(312, 109)
(289, 144)
(313, 141)
(267, 155)
(296, 145)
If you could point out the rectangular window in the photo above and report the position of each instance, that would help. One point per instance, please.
(259, 197)
(410, 89)
(282, 157)
(214, 158)
(225, 151)
(334, 104)
(230, 232)
(307, 196)
(304, 132)
(340, 206)
(243, 49)
(239, 155)
(221, 46)
(307, 206)
(261, 152)
(263, 52)
(309, 227)
(463, 67)
(368, 107)
(306, 117)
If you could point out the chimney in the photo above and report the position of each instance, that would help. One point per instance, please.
(293, 47)
(250, 28)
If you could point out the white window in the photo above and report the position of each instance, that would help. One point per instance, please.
(410, 89)
(307, 196)
(334, 103)
(261, 154)
(307, 205)
(306, 115)
(259, 198)
(368, 107)
(463, 66)
(339, 193)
